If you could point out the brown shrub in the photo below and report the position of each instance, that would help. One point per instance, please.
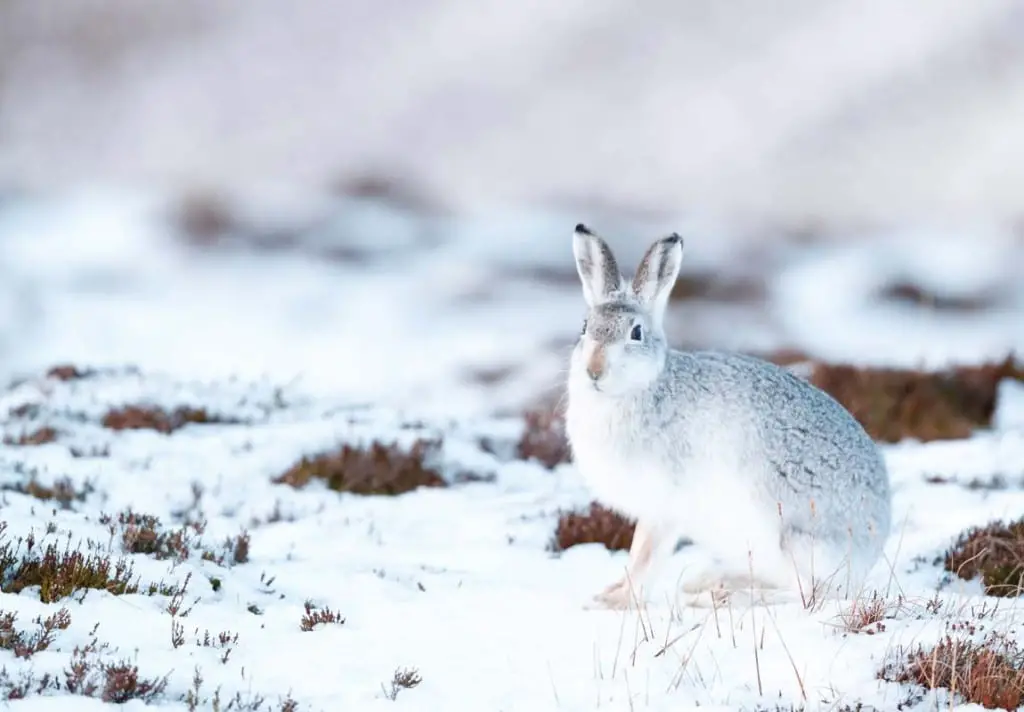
(544, 438)
(707, 286)
(138, 417)
(994, 552)
(315, 616)
(893, 404)
(67, 372)
(990, 673)
(88, 675)
(25, 645)
(39, 436)
(868, 615)
(910, 293)
(61, 573)
(144, 534)
(403, 679)
(597, 525)
(377, 469)
(62, 491)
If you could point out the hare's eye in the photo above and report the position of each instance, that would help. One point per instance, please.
(584, 329)
(637, 334)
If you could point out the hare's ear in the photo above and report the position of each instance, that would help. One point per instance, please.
(657, 274)
(596, 264)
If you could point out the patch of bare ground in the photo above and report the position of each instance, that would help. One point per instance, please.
(989, 673)
(146, 417)
(376, 469)
(994, 553)
(595, 525)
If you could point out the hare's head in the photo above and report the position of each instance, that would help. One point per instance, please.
(622, 346)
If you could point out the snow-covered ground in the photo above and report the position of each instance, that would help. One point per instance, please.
(440, 303)
(455, 582)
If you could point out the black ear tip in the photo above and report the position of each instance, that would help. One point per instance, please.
(674, 239)
(582, 229)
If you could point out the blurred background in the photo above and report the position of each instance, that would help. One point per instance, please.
(376, 199)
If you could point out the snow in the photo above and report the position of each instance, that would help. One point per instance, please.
(455, 582)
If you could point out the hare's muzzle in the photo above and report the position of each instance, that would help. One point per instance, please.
(596, 362)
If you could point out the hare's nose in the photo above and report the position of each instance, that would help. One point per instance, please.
(596, 363)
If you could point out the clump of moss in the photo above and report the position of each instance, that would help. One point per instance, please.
(995, 553)
(378, 469)
(140, 417)
(544, 438)
(893, 404)
(989, 673)
(596, 525)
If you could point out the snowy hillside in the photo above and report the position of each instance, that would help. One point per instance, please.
(452, 584)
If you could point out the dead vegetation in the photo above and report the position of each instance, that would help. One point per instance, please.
(893, 404)
(403, 679)
(62, 491)
(195, 699)
(145, 534)
(596, 525)
(60, 572)
(717, 287)
(379, 469)
(904, 292)
(544, 438)
(88, 674)
(989, 673)
(68, 372)
(315, 616)
(867, 615)
(40, 436)
(994, 553)
(147, 417)
(25, 645)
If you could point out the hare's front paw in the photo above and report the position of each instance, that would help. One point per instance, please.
(617, 597)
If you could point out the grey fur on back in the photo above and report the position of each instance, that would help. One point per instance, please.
(828, 470)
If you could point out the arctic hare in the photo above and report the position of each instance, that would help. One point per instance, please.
(763, 470)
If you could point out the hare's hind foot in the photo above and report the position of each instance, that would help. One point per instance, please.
(729, 590)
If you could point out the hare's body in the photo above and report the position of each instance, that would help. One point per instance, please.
(762, 469)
